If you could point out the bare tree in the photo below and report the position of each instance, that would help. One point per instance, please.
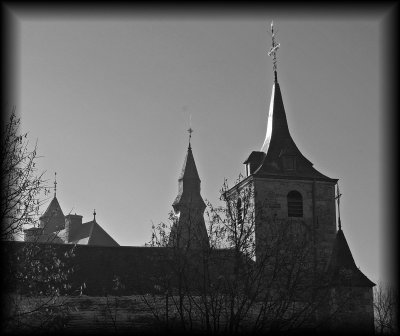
(21, 185)
(234, 286)
(386, 310)
(34, 274)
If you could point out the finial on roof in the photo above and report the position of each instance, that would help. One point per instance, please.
(190, 130)
(337, 197)
(272, 52)
(55, 184)
(94, 215)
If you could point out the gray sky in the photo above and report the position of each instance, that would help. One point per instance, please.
(109, 101)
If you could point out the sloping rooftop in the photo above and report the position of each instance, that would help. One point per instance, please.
(189, 184)
(342, 269)
(53, 219)
(53, 209)
(91, 233)
(279, 144)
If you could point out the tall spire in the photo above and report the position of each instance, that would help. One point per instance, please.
(272, 52)
(337, 197)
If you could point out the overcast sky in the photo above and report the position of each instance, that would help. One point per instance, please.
(109, 101)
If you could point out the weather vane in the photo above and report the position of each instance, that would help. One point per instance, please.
(272, 51)
(338, 195)
(55, 184)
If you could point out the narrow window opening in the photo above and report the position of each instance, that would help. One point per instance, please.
(295, 204)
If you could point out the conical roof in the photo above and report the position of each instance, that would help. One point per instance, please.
(54, 209)
(189, 170)
(342, 269)
(189, 184)
(279, 145)
(53, 218)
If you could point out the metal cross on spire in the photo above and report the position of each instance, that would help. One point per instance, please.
(55, 184)
(337, 197)
(190, 130)
(272, 51)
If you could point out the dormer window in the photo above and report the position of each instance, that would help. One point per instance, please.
(289, 163)
(248, 169)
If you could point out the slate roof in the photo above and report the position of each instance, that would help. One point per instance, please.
(91, 233)
(189, 169)
(342, 269)
(53, 219)
(189, 184)
(53, 208)
(279, 143)
(52, 224)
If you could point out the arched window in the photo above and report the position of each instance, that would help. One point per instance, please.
(239, 211)
(295, 204)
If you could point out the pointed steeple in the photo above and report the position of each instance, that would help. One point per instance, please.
(189, 184)
(279, 155)
(277, 126)
(53, 219)
(189, 230)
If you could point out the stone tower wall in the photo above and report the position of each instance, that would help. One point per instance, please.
(318, 210)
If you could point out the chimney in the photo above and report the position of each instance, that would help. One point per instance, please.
(72, 224)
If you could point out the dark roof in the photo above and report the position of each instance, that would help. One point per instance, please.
(342, 269)
(91, 233)
(189, 169)
(255, 157)
(189, 184)
(279, 143)
(53, 219)
(54, 209)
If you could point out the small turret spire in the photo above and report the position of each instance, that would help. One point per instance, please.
(94, 215)
(55, 184)
(272, 52)
(337, 197)
(189, 230)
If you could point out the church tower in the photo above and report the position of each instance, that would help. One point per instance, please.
(287, 189)
(189, 229)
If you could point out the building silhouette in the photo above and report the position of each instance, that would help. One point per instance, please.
(288, 192)
(56, 228)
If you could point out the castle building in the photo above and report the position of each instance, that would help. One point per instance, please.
(56, 228)
(290, 197)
